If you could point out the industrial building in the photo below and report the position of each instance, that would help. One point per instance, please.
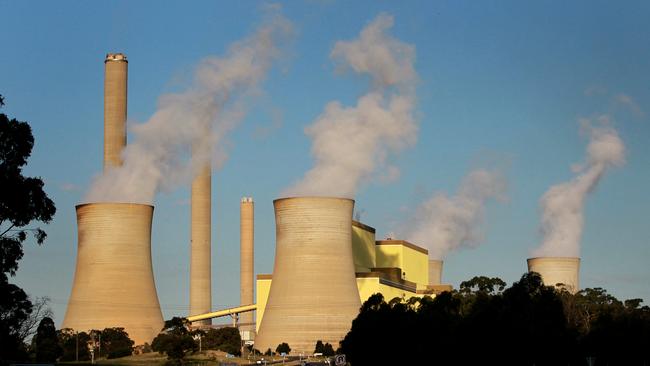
(394, 268)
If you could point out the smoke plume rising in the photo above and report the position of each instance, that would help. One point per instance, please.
(562, 205)
(351, 144)
(197, 119)
(443, 224)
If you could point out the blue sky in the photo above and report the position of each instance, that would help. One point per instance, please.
(501, 82)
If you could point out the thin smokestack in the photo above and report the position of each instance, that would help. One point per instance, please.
(115, 100)
(443, 224)
(201, 251)
(351, 146)
(562, 205)
(247, 251)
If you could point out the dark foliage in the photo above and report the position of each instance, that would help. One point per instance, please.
(71, 343)
(268, 352)
(116, 343)
(225, 339)
(484, 323)
(45, 342)
(326, 349)
(22, 200)
(175, 340)
(283, 348)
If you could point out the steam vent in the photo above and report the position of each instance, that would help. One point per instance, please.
(113, 281)
(314, 294)
(557, 270)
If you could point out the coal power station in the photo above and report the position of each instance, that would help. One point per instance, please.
(326, 264)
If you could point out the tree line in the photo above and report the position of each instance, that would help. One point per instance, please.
(483, 322)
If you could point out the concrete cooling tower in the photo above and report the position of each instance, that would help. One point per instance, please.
(314, 295)
(555, 270)
(113, 281)
(246, 275)
(435, 272)
(115, 89)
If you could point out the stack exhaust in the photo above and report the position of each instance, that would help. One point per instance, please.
(246, 275)
(313, 295)
(115, 96)
(200, 256)
(113, 282)
(557, 270)
(435, 272)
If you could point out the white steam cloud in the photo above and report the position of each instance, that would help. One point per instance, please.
(198, 119)
(563, 204)
(443, 224)
(351, 144)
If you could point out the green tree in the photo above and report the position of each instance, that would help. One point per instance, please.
(73, 344)
(46, 343)
(326, 349)
(116, 343)
(175, 340)
(22, 200)
(283, 348)
(226, 339)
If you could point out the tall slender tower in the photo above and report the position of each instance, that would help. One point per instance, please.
(200, 261)
(435, 272)
(246, 266)
(115, 85)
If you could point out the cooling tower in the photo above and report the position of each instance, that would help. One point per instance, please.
(246, 268)
(554, 270)
(113, 282)
(435, 272)
(200, 261)
(313, 294)
(115, 85)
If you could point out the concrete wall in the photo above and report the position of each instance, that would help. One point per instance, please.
(412, 259)
(363, 247)
(113, 282)
(263, 286)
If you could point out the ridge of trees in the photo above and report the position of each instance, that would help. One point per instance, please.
(485, 323)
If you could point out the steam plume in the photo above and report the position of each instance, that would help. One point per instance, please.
(443, 224)
(351, 143)
(563, 204)
(199, 119)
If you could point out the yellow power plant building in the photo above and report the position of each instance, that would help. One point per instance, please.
(394, 268)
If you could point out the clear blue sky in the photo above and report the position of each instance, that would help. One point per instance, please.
(499, 80)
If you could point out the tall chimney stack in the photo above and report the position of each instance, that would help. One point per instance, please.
(247, 240)
(115, 89)
(200, 261)
(435, 272)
